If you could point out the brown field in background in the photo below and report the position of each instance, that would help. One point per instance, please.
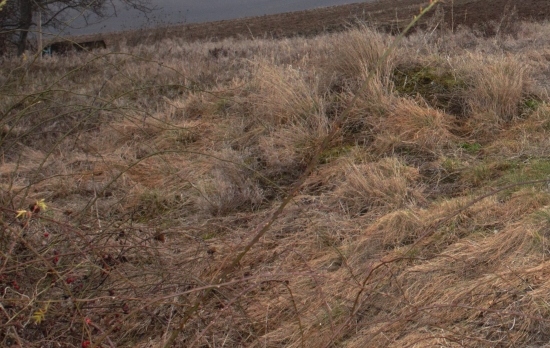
(386, 15)
(413, 212)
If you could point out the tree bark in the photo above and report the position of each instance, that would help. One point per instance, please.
(25, 22)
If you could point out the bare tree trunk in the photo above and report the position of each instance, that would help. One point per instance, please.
(25, 21)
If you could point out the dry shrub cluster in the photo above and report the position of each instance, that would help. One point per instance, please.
(158, 164)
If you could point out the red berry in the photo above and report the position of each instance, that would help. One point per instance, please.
(56, 260)
(70, 280)
(46, 234)
(85, 344)
(34, 208)
(88, 321)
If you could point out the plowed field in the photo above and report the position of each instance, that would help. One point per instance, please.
(390, 15)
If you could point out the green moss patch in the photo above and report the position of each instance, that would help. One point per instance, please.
(329, 155)
(472, 148)
(440, 88)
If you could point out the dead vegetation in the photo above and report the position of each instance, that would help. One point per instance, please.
(159, 163)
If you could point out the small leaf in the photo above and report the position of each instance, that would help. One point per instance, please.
(38, 316)
(41, 204)
(21, 213)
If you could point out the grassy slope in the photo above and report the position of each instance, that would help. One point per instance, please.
(158, 163)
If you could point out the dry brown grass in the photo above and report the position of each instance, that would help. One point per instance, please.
(376, 188)
(357, 52)
(159, 163)
(499, 88)
(414, 126)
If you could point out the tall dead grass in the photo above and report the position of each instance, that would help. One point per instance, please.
(357, 52)
(156, 175)
(499, 88)
(378, 188)
(411, 125)
(285, 94)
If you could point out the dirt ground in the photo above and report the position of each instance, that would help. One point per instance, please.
(390, 15)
